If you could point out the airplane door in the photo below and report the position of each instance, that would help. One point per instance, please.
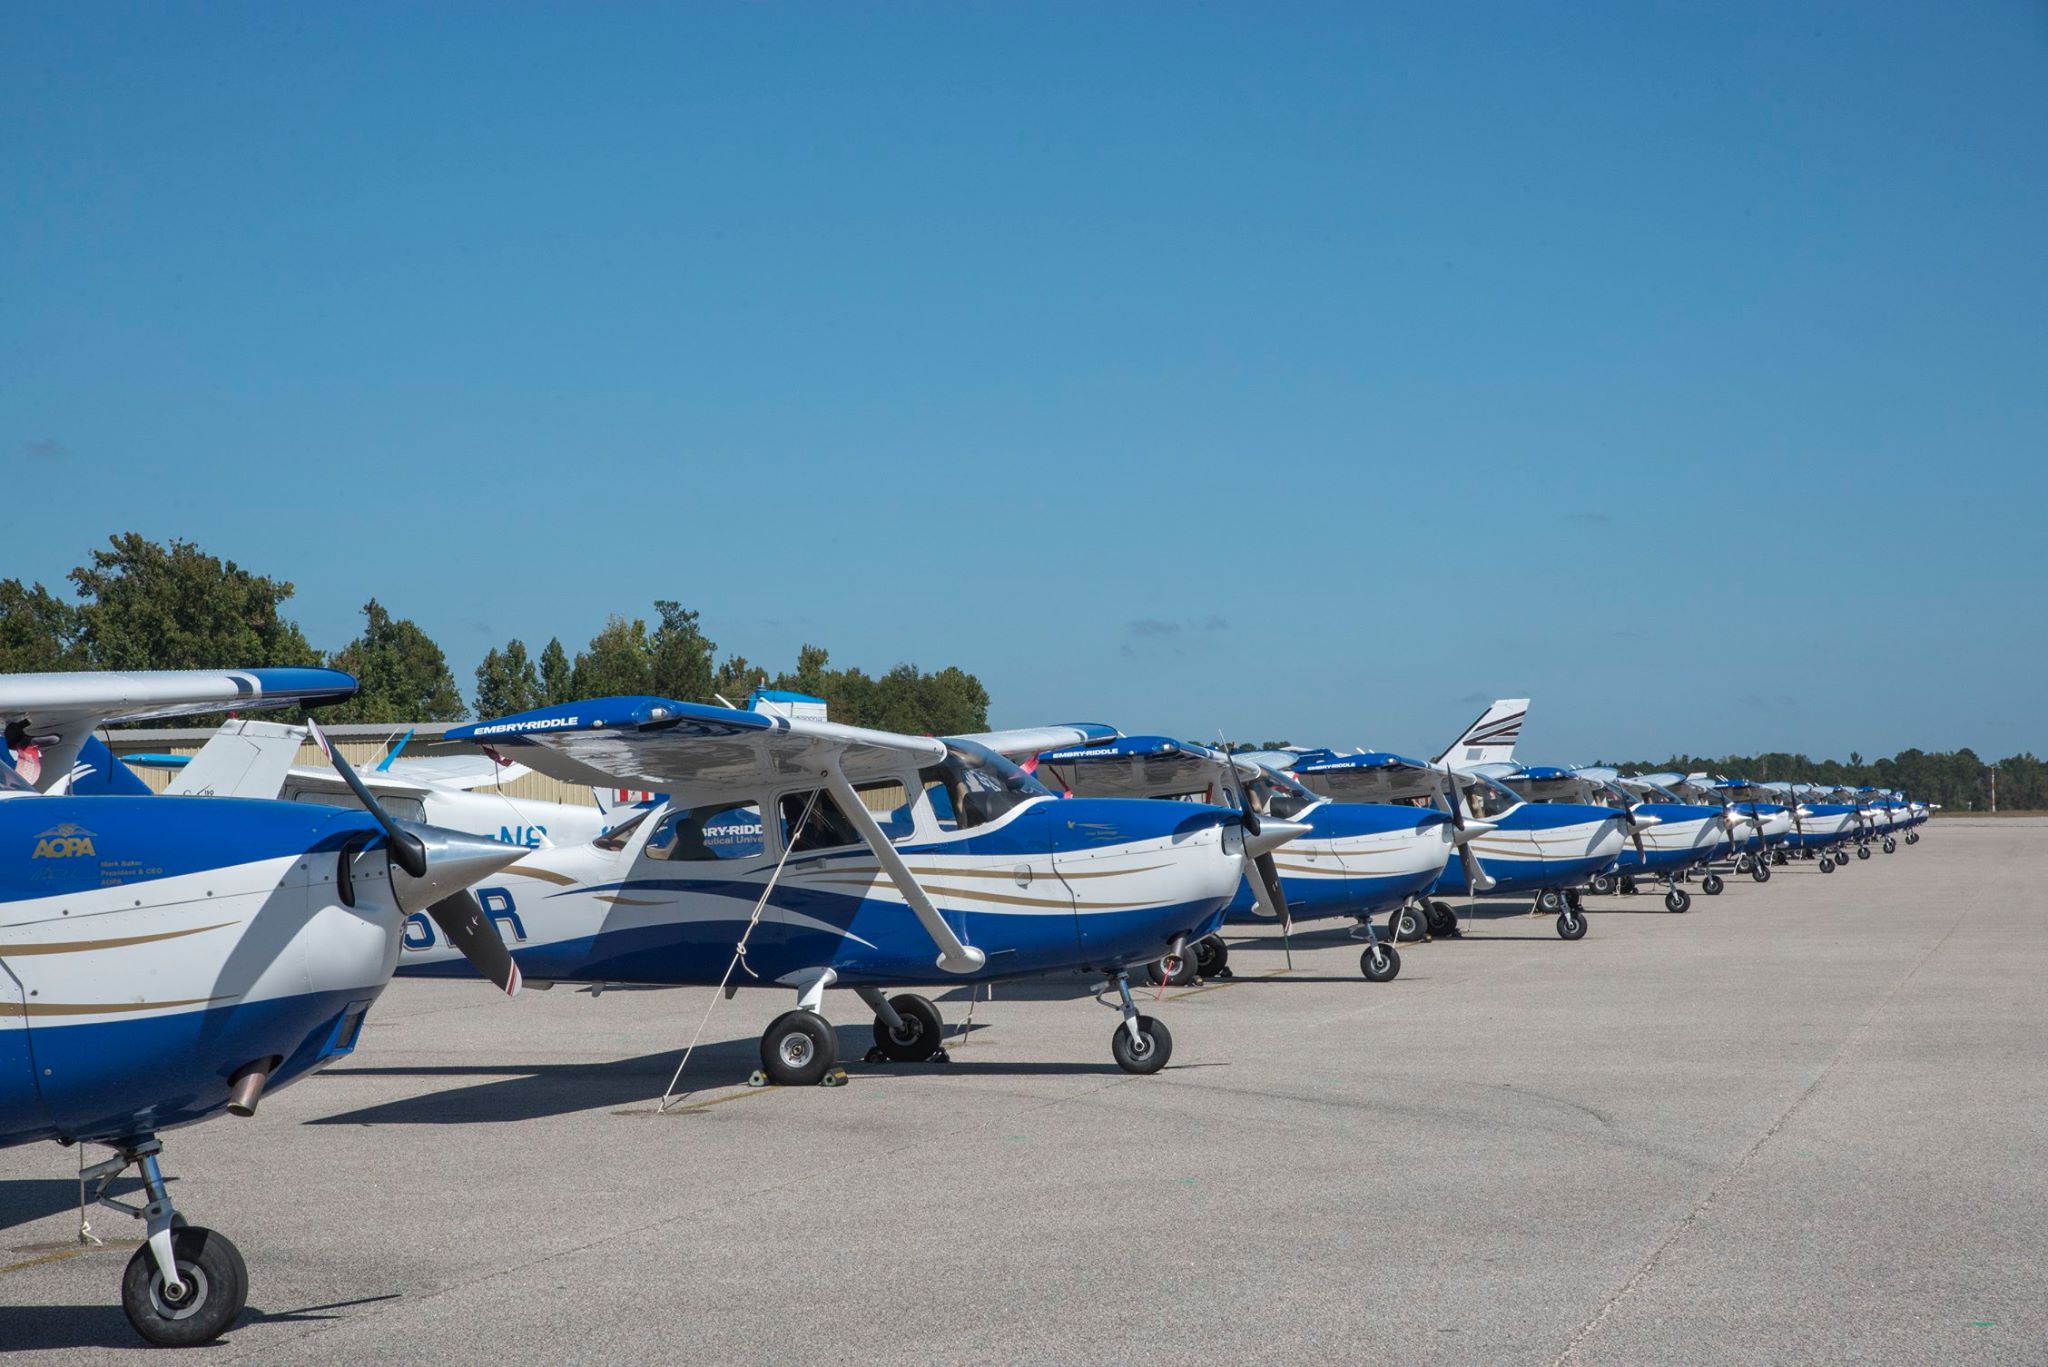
(1087, 856)
(21, 1103)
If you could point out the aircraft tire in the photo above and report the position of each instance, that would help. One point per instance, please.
(1548, 900)
(1147, 1056)
(217, 1286)
(1827, 865)
(924, 1031)
(1760, 871)
(1442, 920)
(1380, 963)
(1890, 845)
(1678, 899)
(1571, 925)
(1628, 886)
(1171, 971)
(1405, 925)
(1743, 863)
(1863, 851)
(1711, 885)
(798, 1048)
(1603, 885)
(1212, 956)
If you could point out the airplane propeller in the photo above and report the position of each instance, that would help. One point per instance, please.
(1261, 838)
(439, 862)
(1465, 831)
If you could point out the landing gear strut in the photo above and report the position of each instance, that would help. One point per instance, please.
(185, 1285)
(1571, 921)
(1141, 1044)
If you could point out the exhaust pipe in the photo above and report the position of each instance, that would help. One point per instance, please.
(245, 1088)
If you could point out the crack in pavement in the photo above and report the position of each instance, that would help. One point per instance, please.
(1714, 1192)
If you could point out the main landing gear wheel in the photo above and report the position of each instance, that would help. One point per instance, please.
(1890, 845)
(1711, 885)
(798, 1048)
(1549, 901)
(1146, 1054)
(1212, 957)
(1760, 871)
(1571, 925)
(921, 1035)
(1442, 920)
(1406, 924)
(1678, 899)
(1175, 970)
(1912, 837)
(1743, 863)
(1628, 886)
(1863, 851)
(215, 1288)
(1380, 963)
(1603, 885)
(1778, 857)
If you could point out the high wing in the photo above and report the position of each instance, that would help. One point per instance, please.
(460, 773)
(1028, 741)
(48, 716)
(690, 751)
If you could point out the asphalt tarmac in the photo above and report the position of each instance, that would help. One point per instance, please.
(1804, 1122)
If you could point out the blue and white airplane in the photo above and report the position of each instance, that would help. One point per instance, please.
(1548, 849)
(832, 855)
(1666, 838)
(1351, 859)
(165, 959)
(1822, 828)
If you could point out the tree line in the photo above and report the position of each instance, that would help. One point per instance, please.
(1956, 779)
(139, 604)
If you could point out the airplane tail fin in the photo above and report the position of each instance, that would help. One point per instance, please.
(99, 773)
(243, 759)
(1491, 739)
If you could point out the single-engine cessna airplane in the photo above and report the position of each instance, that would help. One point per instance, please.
(1821, 828)
(163, 959)
(1352, 859)
(1666, 838)
(1749, 828)
(1504, 844)
(813, 855)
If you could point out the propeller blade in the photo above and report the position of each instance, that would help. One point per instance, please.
(1267, 881)
(461, 918)
(1467, 829)
(406, 850)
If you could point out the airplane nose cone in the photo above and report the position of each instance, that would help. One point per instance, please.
(455, 860)
(1272, 835)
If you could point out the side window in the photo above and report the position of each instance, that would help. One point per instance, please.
(829, 828)
(721, 830)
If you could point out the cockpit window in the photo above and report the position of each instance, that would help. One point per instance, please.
(617, 837)
(1612, 795)
(1486, 799)
(1279, 795)
(973, 785)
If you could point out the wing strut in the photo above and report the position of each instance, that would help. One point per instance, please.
(954, 957)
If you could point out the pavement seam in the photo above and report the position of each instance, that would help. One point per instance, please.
(1714, 1191)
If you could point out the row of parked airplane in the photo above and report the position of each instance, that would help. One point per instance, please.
(165, 958)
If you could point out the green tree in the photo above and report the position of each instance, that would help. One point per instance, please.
(148, 606)
(618, 662)
(506, 682)
(557, 675)
(735, 678)
(38, 630)
(679, 655)
(403, 675)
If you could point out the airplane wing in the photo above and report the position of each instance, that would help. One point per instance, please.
(459, 772)
(1141, 766)
(690, 751)
(48, 716)
(1035, 740)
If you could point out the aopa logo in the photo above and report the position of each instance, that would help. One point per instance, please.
(65, 841)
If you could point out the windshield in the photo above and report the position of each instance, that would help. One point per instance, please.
(973, 785)
(1486, 799)
(1280, 795)
(1611, 795)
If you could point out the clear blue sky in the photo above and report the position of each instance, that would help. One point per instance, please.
(1305, 372)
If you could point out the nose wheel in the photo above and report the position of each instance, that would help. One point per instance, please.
(1381, 962)
(1678, 900)
(1571, 923)
(1760, 871)
(1141, 1044)
(185, 1285)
